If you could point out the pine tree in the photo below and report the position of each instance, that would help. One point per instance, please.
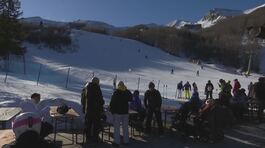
(11, 35)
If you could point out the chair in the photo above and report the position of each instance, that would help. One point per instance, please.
(105, 129)
(136, 124)
(252, 109)
(82, 132)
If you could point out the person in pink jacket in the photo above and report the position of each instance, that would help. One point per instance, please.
(236, 87)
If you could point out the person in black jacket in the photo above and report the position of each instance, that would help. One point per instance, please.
(187, 89)
(120, 109)
(180, 89)
(93, 109)
(152, 102)
(259, 93)
(209, 90)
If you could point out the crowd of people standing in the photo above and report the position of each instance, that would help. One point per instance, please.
(122, 100)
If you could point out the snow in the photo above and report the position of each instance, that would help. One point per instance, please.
(208, 23)
(253, 9)
(217, 14)
(178, 23)
(226, 12)
(104, 56)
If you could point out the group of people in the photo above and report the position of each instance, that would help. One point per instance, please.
(121, 101)
(211, 115)
(187, 89)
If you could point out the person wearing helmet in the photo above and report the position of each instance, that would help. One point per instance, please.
(153, 102)
(27, 121)
(27, 128)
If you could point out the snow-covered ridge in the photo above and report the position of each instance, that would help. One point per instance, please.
(225, 12)
(253, 9)
(217, 14)
(210, 19)
(178, 24)
(95, 24)
(36, 20)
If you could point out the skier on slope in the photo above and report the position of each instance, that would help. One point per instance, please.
(187, 89)
(180, 89)
(209, 90)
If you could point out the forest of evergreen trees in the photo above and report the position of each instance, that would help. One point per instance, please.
(11, 34)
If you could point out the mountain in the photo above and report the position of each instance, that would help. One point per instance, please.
(84, 23)
(36, 21)
(152, 25)
(178, 24)
(95, 24)
(253, 9)
(215, 15)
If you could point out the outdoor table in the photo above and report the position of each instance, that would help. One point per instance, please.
(131, 111)
(70, 115)
(168, 109)
(6, 114)
(6, 136)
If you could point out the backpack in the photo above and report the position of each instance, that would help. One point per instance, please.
(209, 88)
(227, 88)
(63, 109)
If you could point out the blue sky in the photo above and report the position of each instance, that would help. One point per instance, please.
(129, 12)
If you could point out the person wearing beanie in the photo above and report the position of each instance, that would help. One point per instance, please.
(120, 110)
(153, 102)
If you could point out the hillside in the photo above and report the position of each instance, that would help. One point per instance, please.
(108, 56)
(104, 56)
(226, 42)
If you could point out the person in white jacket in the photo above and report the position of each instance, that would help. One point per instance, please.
(31, 105)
